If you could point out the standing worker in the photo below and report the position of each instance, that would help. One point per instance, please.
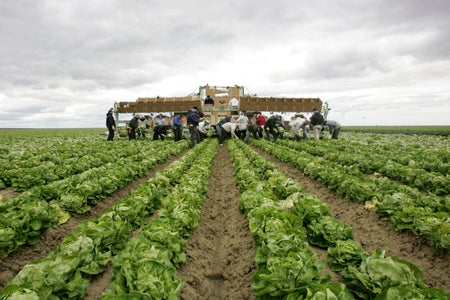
(234, 105)
(159, 128)
(209, 100)
(193, 118)
(110, 124)
(317, 123)
(242, 122)
(177, 127)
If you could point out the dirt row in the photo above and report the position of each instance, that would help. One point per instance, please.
(220, 251)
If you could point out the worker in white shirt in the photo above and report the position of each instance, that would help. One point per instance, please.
(242, 124)
(234, 104)
(228, 127)
(203, 128)
(297, 125)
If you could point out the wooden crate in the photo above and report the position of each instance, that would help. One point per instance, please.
(272, 104)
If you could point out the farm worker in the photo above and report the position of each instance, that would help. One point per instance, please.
(142, 126)
(269, 127)
(229, 127)
(297, 129)
(193, 118)
(159, 127)
(234, 104)
(253, 130)
(279, 126)
(110, 124)
(334, 128)
(242, 123)
(177, 127)
(203, 128)
(219, 128)
(305, 126)
(209, 100)
(132, 126)
(260, 121)
(317, 124)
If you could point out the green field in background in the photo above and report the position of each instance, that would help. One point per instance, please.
(400, 129)
(442, 130)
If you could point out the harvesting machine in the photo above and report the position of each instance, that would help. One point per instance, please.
(250, 104)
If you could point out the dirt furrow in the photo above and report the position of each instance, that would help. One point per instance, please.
(220, 251)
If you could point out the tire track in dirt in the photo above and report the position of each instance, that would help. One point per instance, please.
(372, 232)
(220, 251)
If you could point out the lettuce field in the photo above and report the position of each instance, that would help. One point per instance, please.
(362, 217)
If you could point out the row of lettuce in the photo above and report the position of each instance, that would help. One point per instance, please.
(408, 208)
(27, 215)
(145, 264)
(419, 165)
(284, 219)
(40, 162)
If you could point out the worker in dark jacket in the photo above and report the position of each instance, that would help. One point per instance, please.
(132, 126)
(193, 118)
(110, 124)
(253, 130)
(219, 128)
(178, 127)
(279, 126)
(269, 128)
(317, 123)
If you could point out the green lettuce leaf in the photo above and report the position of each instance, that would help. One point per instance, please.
(326, 231)
(328, 291)
(379, 272)
(413, 292)
(345, 253)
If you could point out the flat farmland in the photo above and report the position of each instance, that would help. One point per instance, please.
(389, 192)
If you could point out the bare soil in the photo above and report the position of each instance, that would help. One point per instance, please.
(220, 250)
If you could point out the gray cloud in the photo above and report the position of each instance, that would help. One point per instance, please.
(66, 62)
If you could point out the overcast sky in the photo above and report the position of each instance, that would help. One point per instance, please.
(63, 63)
